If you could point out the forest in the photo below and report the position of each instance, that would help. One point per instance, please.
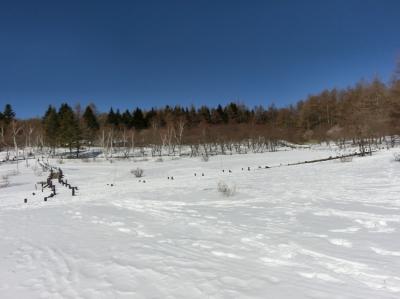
(363, 113)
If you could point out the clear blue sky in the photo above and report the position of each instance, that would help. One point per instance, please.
(152, 53)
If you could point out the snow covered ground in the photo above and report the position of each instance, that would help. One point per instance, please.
(324, 230)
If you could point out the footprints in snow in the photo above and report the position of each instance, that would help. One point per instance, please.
(374, 223)
(334, 241)
(118, 225)
(121, 227)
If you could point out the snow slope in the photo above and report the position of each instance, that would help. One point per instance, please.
(324, 230)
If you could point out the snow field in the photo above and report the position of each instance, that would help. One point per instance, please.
(324, 230)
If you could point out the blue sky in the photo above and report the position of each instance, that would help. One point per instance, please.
(152, 53)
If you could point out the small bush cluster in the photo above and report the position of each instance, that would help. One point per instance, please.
(138, 172)
(225, 189)
(396, 157)
(205, 158)
(4, 181)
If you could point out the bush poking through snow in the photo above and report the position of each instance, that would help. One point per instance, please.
(205, 158)
(346, 159)
(4, 182)
(159, 159)
(138, 172)
(396, 157)
(225, 189)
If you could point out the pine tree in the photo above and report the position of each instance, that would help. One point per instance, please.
(149, 117)
(118, 118)
(51, 126)
(126, 119)
(90, 124)
(221, 114)
(138, 119)
(70, 133)
(113, 118)
(8, 114)
(90, 119)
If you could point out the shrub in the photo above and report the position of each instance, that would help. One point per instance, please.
(138, 172)
(396, 157)
(225, 189)
(160, 159)
(4, 182)
(205, 158)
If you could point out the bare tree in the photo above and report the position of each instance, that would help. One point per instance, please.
(16, 129)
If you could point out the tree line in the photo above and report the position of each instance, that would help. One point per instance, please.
(363, 113)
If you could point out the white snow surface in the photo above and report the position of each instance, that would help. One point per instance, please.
(323, 230)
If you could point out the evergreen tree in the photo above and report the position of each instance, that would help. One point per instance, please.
(221, 114)
(90, 124)
(126, 119)
(111, 117)
(114, 118)
(149, 117)
(118, 118)
(139, 121)
(51, 126)
(70, 133)
(90, 119)
(8, 114)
